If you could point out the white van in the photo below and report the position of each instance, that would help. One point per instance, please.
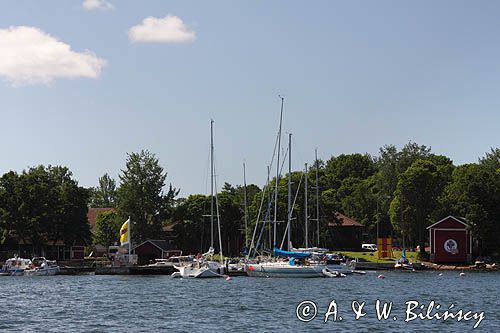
(369, 247)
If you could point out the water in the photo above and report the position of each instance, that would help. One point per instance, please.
(159, 303)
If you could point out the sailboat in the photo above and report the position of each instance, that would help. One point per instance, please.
(334, 262)
(297, 265)
(204, 267)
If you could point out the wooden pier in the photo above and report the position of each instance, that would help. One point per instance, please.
(134, 270)
(380, 266)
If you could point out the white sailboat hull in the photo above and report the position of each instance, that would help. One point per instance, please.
(47, 271)
(13, 272)
(208, 270)
(284, 270)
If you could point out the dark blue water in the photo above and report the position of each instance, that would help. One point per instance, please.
(159, 303)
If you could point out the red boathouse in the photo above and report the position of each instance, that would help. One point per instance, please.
(450, 241)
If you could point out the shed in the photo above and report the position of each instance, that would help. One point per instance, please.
(346, 233)
(150, 250)
(450, 241)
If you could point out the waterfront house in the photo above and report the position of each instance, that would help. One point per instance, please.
(92, 214)
(345, 233)
(150, 250)
(450, 241)
(52, 250)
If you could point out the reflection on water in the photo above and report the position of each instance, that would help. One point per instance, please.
(159, 303)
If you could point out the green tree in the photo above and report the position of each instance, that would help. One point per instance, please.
(10, 202)
(141, 195)
(391, 163)
(45, 205)
(348, 166)
(474, 194)
(491, 160)
(107, 228)
(231, 218)
(418, 190)
(357, 198)
(252, 191)
(192, 225)
(105, 195)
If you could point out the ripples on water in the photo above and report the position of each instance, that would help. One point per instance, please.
(158, 303)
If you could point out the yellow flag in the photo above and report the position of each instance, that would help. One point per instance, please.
(125, 233)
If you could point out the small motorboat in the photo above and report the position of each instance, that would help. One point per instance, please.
(15, 266)
(403, 263)
(332, 274)
(42, 267)
(338, 262)
(199, 269)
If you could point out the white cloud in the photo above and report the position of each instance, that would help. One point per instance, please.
(97, 5)
(169, 29)
(30, 56)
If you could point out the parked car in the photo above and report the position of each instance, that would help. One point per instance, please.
(369, 247)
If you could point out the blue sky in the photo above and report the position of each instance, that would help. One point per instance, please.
(355, 75)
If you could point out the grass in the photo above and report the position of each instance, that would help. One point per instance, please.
(373, 257)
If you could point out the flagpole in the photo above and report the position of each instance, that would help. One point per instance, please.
(129, 238)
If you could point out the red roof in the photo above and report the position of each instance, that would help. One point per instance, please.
(92, 214)
(345, 221)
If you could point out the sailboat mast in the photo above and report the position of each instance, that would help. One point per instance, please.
(277, 173)
(245, 199)
(317, 197)
(211, 182)
(289, 234)
(218, 223)
(269, 204)
(305, 206)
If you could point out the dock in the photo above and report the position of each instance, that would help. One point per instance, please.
(381, 266)
(134, 270)
(68, 270)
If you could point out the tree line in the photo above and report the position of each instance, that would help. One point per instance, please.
(400, 190)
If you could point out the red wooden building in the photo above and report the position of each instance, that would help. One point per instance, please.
(345, 233)
(150, 250)
(450, 241)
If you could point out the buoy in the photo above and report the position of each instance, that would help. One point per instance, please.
(462, 274)
(228, 278)
(381, 276)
